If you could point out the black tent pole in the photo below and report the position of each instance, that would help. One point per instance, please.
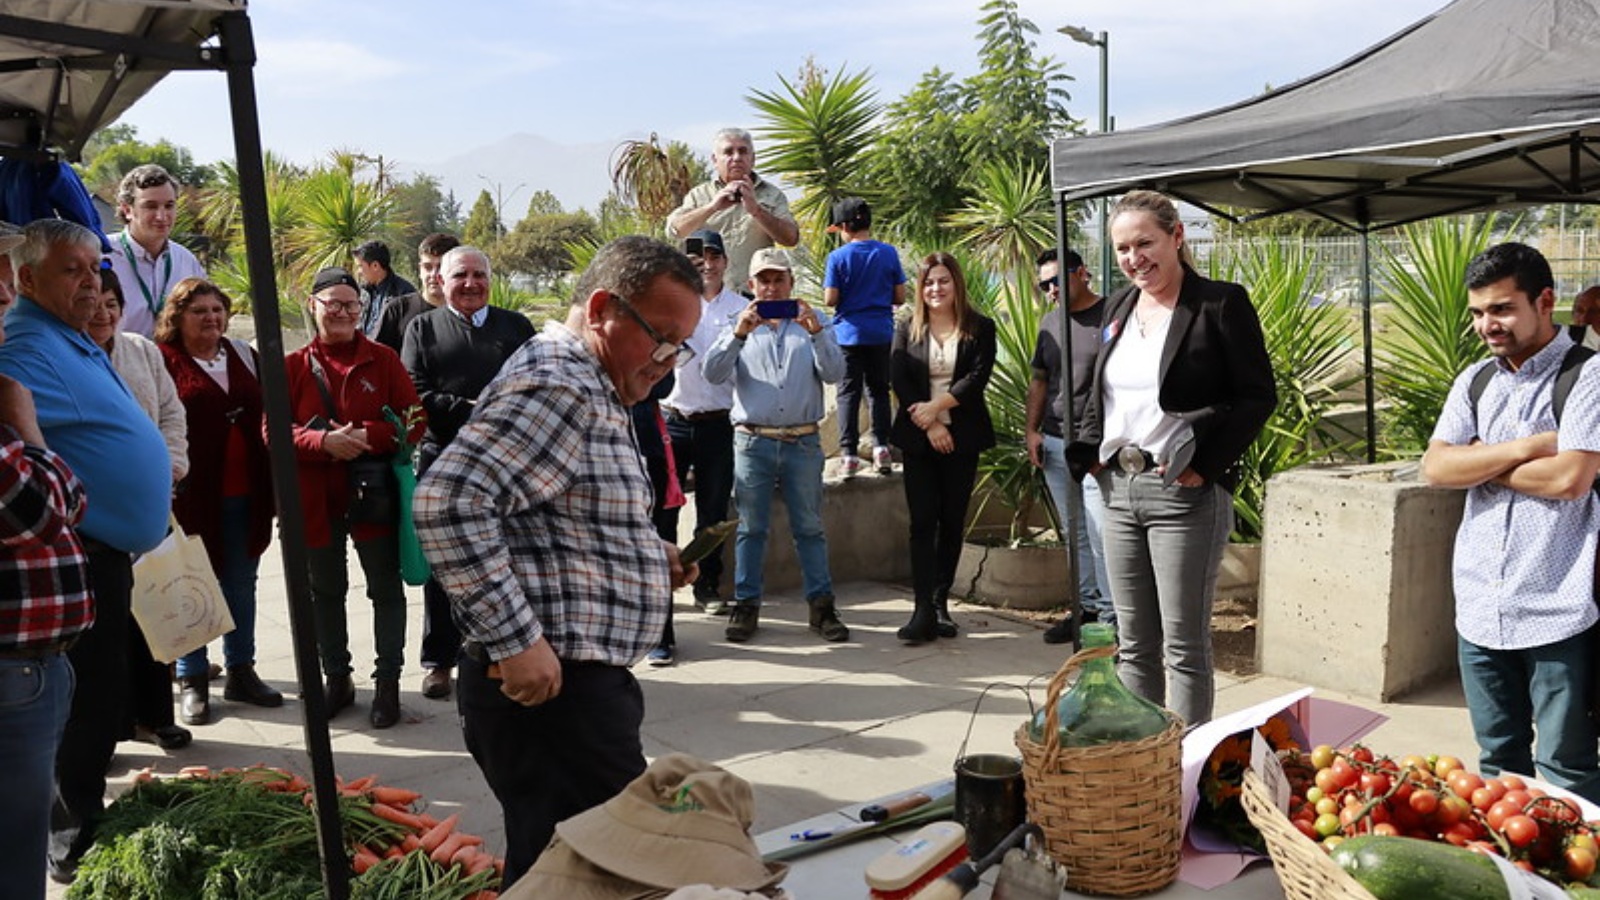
(238, 52)
(1366, 333)
(1074, 504)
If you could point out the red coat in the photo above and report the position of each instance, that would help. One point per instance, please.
(376, 379)
(212, 415)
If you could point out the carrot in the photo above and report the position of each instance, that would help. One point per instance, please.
(410, 842)
(399, 817)
(361, 784)
(469, 852)
(363, 860)
(394, 852)
(476, 864)
(427, 820)
(393, 796)
(437, 833)
(195, 772)
(447, 849)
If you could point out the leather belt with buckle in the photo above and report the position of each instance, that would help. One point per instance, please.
(781, 433)
(712, 415)
(40, 651)
(1132, 460)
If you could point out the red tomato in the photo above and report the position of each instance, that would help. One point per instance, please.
(1499, 812)
(1374, 783)
(1423, 802)
(1520, 830)
(1386, 828)
(1580, 863)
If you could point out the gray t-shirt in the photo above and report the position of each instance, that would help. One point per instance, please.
(1046, 362)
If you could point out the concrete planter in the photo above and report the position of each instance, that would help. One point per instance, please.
(1240, 575)
(1029, 577)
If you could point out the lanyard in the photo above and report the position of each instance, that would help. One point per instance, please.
(151, 299)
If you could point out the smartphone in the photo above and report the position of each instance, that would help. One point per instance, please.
(694, 246)
(778, 309)
(318, 423)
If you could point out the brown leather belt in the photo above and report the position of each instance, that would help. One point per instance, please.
(42, 651)
(781, 433)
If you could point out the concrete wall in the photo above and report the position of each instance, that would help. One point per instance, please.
(1355, 579)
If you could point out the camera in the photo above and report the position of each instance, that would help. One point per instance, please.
(738, 195)
(694, 246)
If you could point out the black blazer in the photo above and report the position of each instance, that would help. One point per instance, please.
(970, 425)
(1215, 375)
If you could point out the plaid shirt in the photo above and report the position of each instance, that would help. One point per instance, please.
(44, 588)
(536, 518)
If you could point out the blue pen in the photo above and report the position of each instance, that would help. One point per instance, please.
(811, 834)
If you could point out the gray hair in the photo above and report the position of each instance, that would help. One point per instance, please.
(42, 234)
(629, 264)
(733, 134)
(139, 177)
(465, 250)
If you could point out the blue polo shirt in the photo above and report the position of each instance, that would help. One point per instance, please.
(866, 273)
(90, 418)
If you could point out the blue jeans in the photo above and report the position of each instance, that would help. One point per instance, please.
(237, 577)
(865, 365)
(1163, 551)
(1511, 694)
(760, 467)
(1094, 585)
(35, 697)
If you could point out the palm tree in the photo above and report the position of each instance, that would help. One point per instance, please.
(816, 133)
(654, 179)
(1006, 220)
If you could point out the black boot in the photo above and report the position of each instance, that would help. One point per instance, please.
(195, 705)
(340, 693)
(385, 702)
(943, 624)
(923, 626)
(245, 686)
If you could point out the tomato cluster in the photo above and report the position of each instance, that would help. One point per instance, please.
(1350, 791)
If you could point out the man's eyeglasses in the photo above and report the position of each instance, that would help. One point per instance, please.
(348, 307)
(665, 351)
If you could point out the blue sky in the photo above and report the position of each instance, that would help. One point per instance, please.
(421, 83)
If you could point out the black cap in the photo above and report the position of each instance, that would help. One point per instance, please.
(850, 214)
(709, 238)
(331, 276)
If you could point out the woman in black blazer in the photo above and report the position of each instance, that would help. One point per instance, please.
(939, 367)
(1183, 384)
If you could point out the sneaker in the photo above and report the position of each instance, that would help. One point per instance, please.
(708, 601)
(882, 460)
(849, 465)
(662, 656)
(1062, 632)
(742, 626)
(825, 621)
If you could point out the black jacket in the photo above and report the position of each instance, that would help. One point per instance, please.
(970, 425)
(1215, 375)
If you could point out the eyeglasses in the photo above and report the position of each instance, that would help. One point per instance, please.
(665, 351)
(1045, 284)
(348, 307)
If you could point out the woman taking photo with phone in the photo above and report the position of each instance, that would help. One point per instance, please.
(939, 366)
(1183, 385)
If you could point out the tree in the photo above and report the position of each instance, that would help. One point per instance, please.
(818, 132)
(650, 177)
(1007, 220)
(543, 203)
(482, 227)
(102, 172)
(424, 208)
(540, 245)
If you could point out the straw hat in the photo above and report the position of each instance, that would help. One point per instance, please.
(683, 822)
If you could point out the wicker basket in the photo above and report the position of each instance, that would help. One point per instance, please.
(1110, 813)
(1304, 869)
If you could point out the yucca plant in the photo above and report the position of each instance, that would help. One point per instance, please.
(1310, 346)
(815, 133)
(1007, 220)
(1428, 339)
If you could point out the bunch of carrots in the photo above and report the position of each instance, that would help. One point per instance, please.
(395, 849)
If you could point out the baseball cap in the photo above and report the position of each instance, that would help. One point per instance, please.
(332, 275)
(767, 259)
(851, 213)
(709, 238)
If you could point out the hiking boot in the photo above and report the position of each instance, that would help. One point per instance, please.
(245, 686)
(436, 684)
(825, 620)
(194, 705)
(742, 625)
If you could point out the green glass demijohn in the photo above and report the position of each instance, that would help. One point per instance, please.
(1099, 708)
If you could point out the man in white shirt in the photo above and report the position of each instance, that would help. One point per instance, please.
(143, 255)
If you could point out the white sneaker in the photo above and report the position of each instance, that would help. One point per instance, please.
(882, 460)
(849, 465)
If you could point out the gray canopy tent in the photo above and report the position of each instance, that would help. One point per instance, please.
(1483, 105)
(69, 68)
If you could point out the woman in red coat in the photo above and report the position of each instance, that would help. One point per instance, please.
(339, 386)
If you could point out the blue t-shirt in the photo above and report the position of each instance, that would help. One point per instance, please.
(90, 418)
(865, 273)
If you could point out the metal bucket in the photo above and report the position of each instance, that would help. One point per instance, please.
(990, 797)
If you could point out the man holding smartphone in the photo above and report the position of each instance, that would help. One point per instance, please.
(748, 211)
(777, 356)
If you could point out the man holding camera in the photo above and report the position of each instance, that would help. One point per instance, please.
(748, 211)
(778, 354)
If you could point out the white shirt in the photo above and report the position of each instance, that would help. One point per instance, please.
(146, 280)
(692, 393)
(1132, 391)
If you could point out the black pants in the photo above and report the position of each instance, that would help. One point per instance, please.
(100, 658)
(149, 685)
(938, 487)
(550, 762)
(865, 366)
(441, 640)
(706, 446)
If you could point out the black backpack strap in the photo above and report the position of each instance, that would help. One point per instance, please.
(1475, 389)
(1571, 366)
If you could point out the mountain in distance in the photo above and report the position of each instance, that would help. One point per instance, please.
(516, 166)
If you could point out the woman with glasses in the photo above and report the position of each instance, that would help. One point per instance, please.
(340, 385)
(227, 496)
(939, 366)
(1182, 386)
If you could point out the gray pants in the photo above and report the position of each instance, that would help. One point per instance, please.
(1163, 549)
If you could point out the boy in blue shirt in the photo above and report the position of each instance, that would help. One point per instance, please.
(863, 284)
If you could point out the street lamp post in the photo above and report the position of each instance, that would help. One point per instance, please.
(499, 203)
(1103, 42)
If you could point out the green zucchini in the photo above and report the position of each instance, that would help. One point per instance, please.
(1402, 868)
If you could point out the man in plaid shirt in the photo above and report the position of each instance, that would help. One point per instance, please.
(537, 521)
(44, 605)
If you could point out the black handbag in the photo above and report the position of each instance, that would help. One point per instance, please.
(374, 491)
